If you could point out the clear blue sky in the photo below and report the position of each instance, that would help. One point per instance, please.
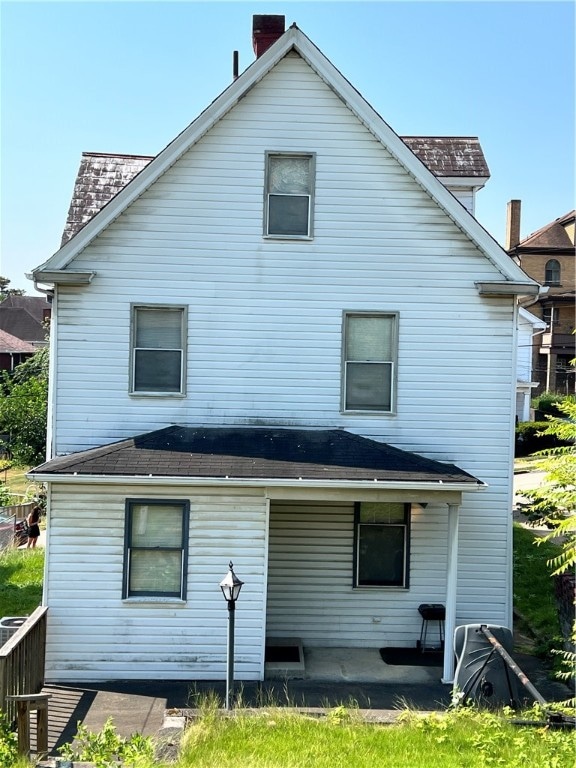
(128, 76)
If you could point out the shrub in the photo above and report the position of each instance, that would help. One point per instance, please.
(530, 440)
(546, 404)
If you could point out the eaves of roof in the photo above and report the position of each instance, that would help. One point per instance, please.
(292, 39)
(258, 456)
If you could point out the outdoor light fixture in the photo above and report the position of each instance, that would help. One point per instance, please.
(230, 586)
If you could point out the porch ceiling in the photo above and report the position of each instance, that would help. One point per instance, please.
(256, 454)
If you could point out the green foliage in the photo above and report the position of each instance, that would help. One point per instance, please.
(547, 404)
(107, 748)
(6, 497)
(534, 596)
(8, 742)
(23, 414)
(532, 436)
(21, 579)
(555, 503)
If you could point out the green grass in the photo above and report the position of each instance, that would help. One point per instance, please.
(16, 480)
(280, 739)
(21, 577)
(534, 597)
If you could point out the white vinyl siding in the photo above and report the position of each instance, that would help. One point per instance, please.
(94, 634)
(264, 324)
(310, 578)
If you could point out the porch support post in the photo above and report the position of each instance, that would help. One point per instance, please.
(451, 592)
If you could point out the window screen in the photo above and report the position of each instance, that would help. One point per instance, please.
(156, 538)
(158, 349)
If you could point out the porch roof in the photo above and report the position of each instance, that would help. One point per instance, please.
(256, 454)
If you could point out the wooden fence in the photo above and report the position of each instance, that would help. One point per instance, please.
(22, 660)
(19, 511)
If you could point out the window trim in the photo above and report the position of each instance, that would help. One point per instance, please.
(406, 525)
(183, 309)
(311, 156)
(184, 504)
(557, 269)
(394, 363)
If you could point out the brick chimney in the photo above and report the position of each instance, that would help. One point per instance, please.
(265, 31)
(513, 224)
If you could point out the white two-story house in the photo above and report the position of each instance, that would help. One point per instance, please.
(283, 342)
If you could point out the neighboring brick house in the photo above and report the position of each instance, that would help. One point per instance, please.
(548, 256)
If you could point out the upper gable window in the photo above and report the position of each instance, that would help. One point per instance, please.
(158, 344)
(289, 200)
(552, 272)
(370, 352)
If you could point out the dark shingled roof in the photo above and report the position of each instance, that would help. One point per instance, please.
(450, 155)
(552, 236)
(101, 176)
(21, 316)
(256, 453)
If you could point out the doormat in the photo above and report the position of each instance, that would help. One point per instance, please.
(412, 657)
(282, 653)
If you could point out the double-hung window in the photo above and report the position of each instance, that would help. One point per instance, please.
(289, 199)
(370, 352)
(552, 272)
(158, 350)
(156, 546)
(381, 544)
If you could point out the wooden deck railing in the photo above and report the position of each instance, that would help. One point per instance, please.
(22, 660)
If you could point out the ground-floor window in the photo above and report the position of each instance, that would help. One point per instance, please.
(156, 548)
(381, 544)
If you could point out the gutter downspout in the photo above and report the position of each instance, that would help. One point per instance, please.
(451, 593)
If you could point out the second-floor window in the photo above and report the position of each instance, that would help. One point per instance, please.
(369, 364)
(289, 195)
(158, 346)
(552, 272)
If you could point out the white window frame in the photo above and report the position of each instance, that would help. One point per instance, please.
(182, 310)
(393, 363)
(311, 157)
(184, 506)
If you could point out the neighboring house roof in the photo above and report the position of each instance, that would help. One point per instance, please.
(23, 316)
(552, 236)
(257, 453)
(9, 343)
(99, 178)
(513, 279)
(450, 155)
(101, 175)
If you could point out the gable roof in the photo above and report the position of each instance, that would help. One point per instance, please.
(258, 454)
(552, 236)
(293, 39)
(102, 175)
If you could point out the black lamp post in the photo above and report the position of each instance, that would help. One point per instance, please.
(230, 586)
